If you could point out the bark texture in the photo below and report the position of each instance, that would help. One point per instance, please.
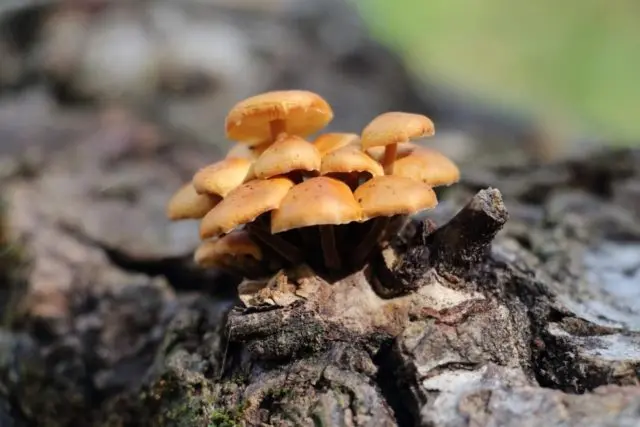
(514, 303)
(522, 306)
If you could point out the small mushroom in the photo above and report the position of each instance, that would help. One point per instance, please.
(288, 155)
(329, 142)
(234, 252)
(187, 204)
(383, 197)
(421, 163)
(348, 164)
(319, 201)
(262, 118)
(221, 177)
(389, 129)
(429, 166)
(244, 205)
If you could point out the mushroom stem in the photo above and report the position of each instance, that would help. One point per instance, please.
(329, 248)
(278, 244)
(362, 251)
(390, 152)
(277, 127)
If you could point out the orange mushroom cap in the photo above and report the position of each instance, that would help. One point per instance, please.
(390, 195)
(429, 166)
(329, 142)
(289, 153)
(187, 204)
(396, 127)
(221, 177)
(350, 159)
(302, 112)
(216, 253)
(244, 204)
(316, 201)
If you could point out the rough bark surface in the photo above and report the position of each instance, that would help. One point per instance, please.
(514, 303)
(108, 323)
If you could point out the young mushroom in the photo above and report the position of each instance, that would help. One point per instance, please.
(422, 163)
(221, 177)
(244, 205)
(350, 164)
(328, 142)
(262, 118)
(319, 201)
(390, 129)
(289, 155)
(186, 203)
(235, 253)
(383, 197)
(429, 166)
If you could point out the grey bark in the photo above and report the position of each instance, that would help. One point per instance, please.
(514, 303)
(110, 324)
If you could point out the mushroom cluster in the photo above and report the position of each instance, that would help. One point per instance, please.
(278, 199)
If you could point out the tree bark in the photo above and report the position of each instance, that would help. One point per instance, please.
(516, 305)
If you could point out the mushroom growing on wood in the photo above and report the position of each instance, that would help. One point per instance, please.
(385, 196)
(390, 129)
(288, 155)
(244, 205)
(349, 164)
(262, 118)
(234, 252)
(320, 201)
(187, 204)
(221, 177)
(422, 163)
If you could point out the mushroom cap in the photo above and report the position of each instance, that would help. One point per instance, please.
(215, 253)
(350, 159)
(396, 127)
(221, 177)
(316, 201)
(328, 142)
(187, 204)
(244, 204)
(303, 113)
(289, 153)
(429, 166)
(394, 195)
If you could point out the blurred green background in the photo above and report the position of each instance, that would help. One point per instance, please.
(573, 63)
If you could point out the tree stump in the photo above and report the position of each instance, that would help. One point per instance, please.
(514, 303)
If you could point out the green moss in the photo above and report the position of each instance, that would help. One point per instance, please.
(174, 401)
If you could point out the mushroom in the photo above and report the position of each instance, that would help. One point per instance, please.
(389, 129)
(348, 164)
(329, 142)
(429, 166)
(244, 205)
(234, 252)
(422, 163)
(187, 204)
(262, 118)
(221, 177)
(319, 201)
(288, 155)
(383, 197)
